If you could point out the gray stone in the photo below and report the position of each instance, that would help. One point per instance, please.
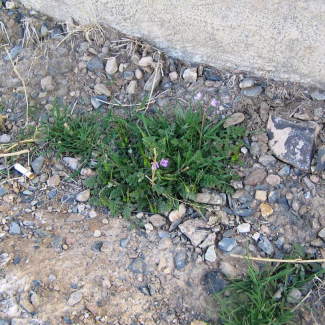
(5, 138)
(210, 254)
(255, 177)
(14, 228)
(53, 181)
(124, 242)
(4, 259)
(132, 87)
(210, 240)
(273, 180)
(279, 242)
(195, 230)
(180, 260)
(274, 196)
(153, 81)
(265, 245)
(82, 47)
(26, 198)
(74, 298)
(111, 66)
(83, 196)
(145, 61)
(321, 233)
(227, 244)
(52, 193)
(290, 142)
(97, 101)
(47, 83)
(73, 163)
(267, 160)
(138, 266)
(244, 227)
(247, 83)
(37, 164)
(157, 220)
(294, 296)
(13, 52)
(253, 91)
(95, 64)
(190, 75)
(3, 191)
(317, 95)
(214, 281)
(228, 270)
(4, 321)
(202, 197)
(164, 243)
(321, 158)
(255, 149)
(284, 171)
(101, 89)
(128, 75)
(243, 212)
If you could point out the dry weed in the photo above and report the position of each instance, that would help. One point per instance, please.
(4, 38)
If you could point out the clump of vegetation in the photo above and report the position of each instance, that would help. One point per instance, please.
(266, 296)
(149, 161)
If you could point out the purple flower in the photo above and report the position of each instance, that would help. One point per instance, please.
(198, 95)
(164, 162)
(214, 102)
(154, 167)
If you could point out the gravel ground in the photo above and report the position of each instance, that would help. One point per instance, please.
(64, 261)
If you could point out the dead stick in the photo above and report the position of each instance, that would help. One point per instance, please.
(278, 260)
(17, 153)
(23, 82)
(20, 142)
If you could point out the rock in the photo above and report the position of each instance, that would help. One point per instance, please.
(261, 195)
(202, 197)
(265, 245)
(165, 243)
(75, 217)
(180, 260)
(190, 75)
(243, 212)
(244, 227)
(46, 83)
(274, 196)
(256, 177)
(214, 281)
(5, 138)
(198, 322)
(4, 259)
(309, 183)
(173, 76)
(228, 270)
(124, 242)
(253, 91)
(53, 181)
(13, 52)
(267, 160)
(26, 304)
(290, 142)
(74, 298)
(148, 226)
(145, 61)
(216, 199)
(95, 64)
(294, 296)
(227, 244)
(132, 87)
(177, 214)
(153, 81)
(266, 210)
(255, 149)
(302, 210)
(234, 119)
(210, 240)
(138, 74)
(321, 233)
(317, 95)
(3, 191)
(320, 158)
(138, 266)
(157, 220)
(111, 66)
(195, 230)
(247, 83)
(92, 214)
(97, 101)
(101, 89)
(273, 180)
(97, 233)
(73, 163)
(210, 254)
(128, 75)
(284, 171)
(83, 196)
(162, 264)
(37, 164)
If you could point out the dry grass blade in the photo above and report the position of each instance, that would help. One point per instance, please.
(3, 35)
(30, 32)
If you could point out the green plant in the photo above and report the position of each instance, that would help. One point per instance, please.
(151, 161)
(262, 297)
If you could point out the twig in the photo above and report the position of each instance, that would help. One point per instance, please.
(299, 260)
(18, 143)
(23, 82)
(17, 153)
(306, 297)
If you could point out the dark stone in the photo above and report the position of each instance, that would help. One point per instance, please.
(243, 212)
(228, 233)
(144, 290)
(57, 244)
(167, 85)
(163, 234)
(26, 198)
(3, 191)
(265, 245)
(284, 171)
(128, 75)
(245, 198)
(96, 101)
(95, 64)
(227, 244)
(68, 198)
(97, 246)
(320, 158)
(214, 281)
(17, 260)
(37, 164)
(13, 52)
(124, 242)
(290, 142)
(284, 203)
(67, 320)
(180, 260)
(207, 72)
(252, 91)
(274, 196)
(53, 193)
(138, 266)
